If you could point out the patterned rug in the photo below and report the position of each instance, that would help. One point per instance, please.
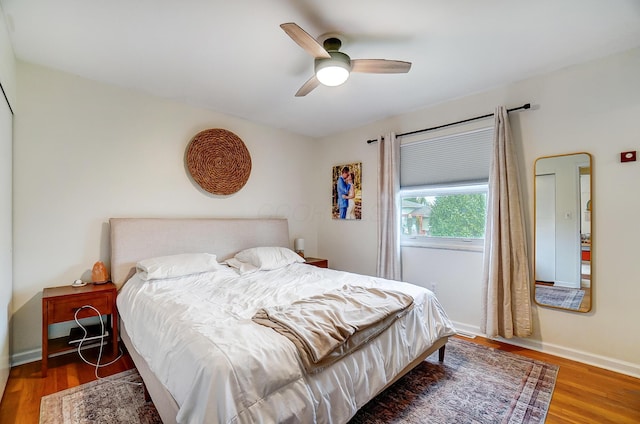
(562, 297)
(113, 400)
(476, 384)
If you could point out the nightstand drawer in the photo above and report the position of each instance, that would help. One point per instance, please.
(65, 309)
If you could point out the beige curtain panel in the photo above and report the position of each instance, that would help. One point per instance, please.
(388, 188)
(506, 304)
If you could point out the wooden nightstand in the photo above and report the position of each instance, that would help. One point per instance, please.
(59, 304)
(320, 263)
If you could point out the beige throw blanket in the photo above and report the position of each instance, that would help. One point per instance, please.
(326, 327)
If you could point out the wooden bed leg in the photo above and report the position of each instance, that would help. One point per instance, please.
(441, 353)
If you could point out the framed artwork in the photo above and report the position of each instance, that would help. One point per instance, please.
(347, 191)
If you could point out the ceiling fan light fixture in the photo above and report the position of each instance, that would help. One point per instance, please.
(332, 75)
(334, 71)
(332, 67)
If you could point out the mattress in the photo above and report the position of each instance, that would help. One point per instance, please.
(196, 335)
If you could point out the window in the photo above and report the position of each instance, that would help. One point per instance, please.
(451, 217)
(443, 190)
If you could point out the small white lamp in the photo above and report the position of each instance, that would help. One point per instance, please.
(298, 246)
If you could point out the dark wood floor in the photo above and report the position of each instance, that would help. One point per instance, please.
(583, 394)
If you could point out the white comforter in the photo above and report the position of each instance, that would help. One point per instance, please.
(196, 334)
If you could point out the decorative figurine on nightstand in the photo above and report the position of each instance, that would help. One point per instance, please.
(99, 274)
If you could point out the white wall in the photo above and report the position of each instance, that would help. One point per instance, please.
(7, 80)
(7, 63)
(592, 107)
(85, 152)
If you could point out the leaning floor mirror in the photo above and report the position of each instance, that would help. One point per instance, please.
(563, 241)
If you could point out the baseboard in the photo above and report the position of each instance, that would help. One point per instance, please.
(36, 354)
(22, 358)
(611, 364)
(567, 284)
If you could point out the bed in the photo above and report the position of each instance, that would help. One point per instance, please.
(202, 357)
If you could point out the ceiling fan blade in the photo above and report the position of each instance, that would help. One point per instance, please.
(308, 86)
(380, 66)
(304, 40)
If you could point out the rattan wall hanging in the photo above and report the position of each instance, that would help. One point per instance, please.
(218, 161)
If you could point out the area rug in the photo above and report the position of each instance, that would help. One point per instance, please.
(562, 297)
(475, 384)
(114, 400)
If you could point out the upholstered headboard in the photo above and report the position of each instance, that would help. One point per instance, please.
(134, 239)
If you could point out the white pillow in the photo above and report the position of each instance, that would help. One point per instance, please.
(176, 265)
(267, 258)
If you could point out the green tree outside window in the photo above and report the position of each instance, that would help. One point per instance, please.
(458, 216)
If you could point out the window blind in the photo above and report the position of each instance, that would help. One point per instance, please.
(456, 158)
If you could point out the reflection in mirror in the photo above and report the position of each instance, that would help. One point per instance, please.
(563, 217)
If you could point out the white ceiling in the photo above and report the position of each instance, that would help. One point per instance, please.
(231, 56)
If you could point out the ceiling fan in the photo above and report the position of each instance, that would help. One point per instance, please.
(332, 67)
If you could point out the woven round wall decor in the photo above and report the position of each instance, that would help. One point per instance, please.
(218, 161)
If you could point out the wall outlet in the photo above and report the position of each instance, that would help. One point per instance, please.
(434, 286)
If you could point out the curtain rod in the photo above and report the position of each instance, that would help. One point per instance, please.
(525, 106)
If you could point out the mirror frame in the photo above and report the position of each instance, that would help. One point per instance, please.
(535, 232)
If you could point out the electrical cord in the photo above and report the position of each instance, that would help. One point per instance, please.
(97, 365)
